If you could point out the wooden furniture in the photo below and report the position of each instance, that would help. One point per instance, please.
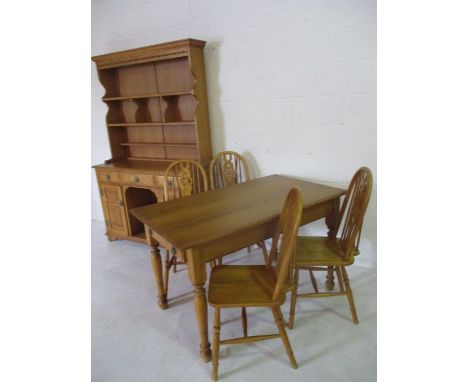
(222, 221)
(228, 168)
(336, 252)
(182, 178)
(242, 286)
(157, 113)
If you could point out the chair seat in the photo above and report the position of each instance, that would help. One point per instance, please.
(242, 285)
(320, 251)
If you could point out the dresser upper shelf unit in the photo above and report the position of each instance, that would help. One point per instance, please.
(157, 94)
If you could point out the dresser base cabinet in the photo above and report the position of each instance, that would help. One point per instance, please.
(122, 188)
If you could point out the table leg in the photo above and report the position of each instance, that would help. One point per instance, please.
(201, 311)
(156, 264)
(197, 274)
(332, 221)
(158, 276)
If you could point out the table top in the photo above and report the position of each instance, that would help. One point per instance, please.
(194, 220)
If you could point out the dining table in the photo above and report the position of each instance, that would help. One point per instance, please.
(202, 227)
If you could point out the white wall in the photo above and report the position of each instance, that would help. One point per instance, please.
(291, 84)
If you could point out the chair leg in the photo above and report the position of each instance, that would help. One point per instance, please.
(313, 281)
(264, 251)
(244, 320)
(167, 268)
(216, 331)
(175, 265)
(292, 307)
(284, 337)
(349, 294)
(339, 276)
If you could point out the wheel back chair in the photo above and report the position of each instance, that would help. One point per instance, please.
(242, 286)
(228, 168)
(334, 253)
(182, 178)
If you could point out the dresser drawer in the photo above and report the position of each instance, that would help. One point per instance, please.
(108, 176)
(170, 182)
(159, 181)
(138, 179)
(159, 195)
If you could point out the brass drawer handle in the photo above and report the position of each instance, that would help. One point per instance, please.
(108, 177)
(137, 179)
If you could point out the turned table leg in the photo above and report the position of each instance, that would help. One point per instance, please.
(201, 311)
(197, 274)
(158, 276)
(332, 221)
(156, 264)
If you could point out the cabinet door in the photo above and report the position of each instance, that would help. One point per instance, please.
(117, 220)
(114, 209)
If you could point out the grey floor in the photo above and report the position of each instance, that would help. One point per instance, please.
(133, 340)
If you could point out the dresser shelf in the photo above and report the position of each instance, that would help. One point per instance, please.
(139, 124)
(156, 95)
(158, 144)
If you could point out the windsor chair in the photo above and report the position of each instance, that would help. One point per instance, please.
(182, 178)
(228, 168)
(334, 253)
(242, 286)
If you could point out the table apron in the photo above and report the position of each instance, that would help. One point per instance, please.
(167, 245)
(235, 242)
(317, 212)
(250, 236)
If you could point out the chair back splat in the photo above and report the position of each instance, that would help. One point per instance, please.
(353, 210)
(287, 227)
(227, 168)
(184, 178)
